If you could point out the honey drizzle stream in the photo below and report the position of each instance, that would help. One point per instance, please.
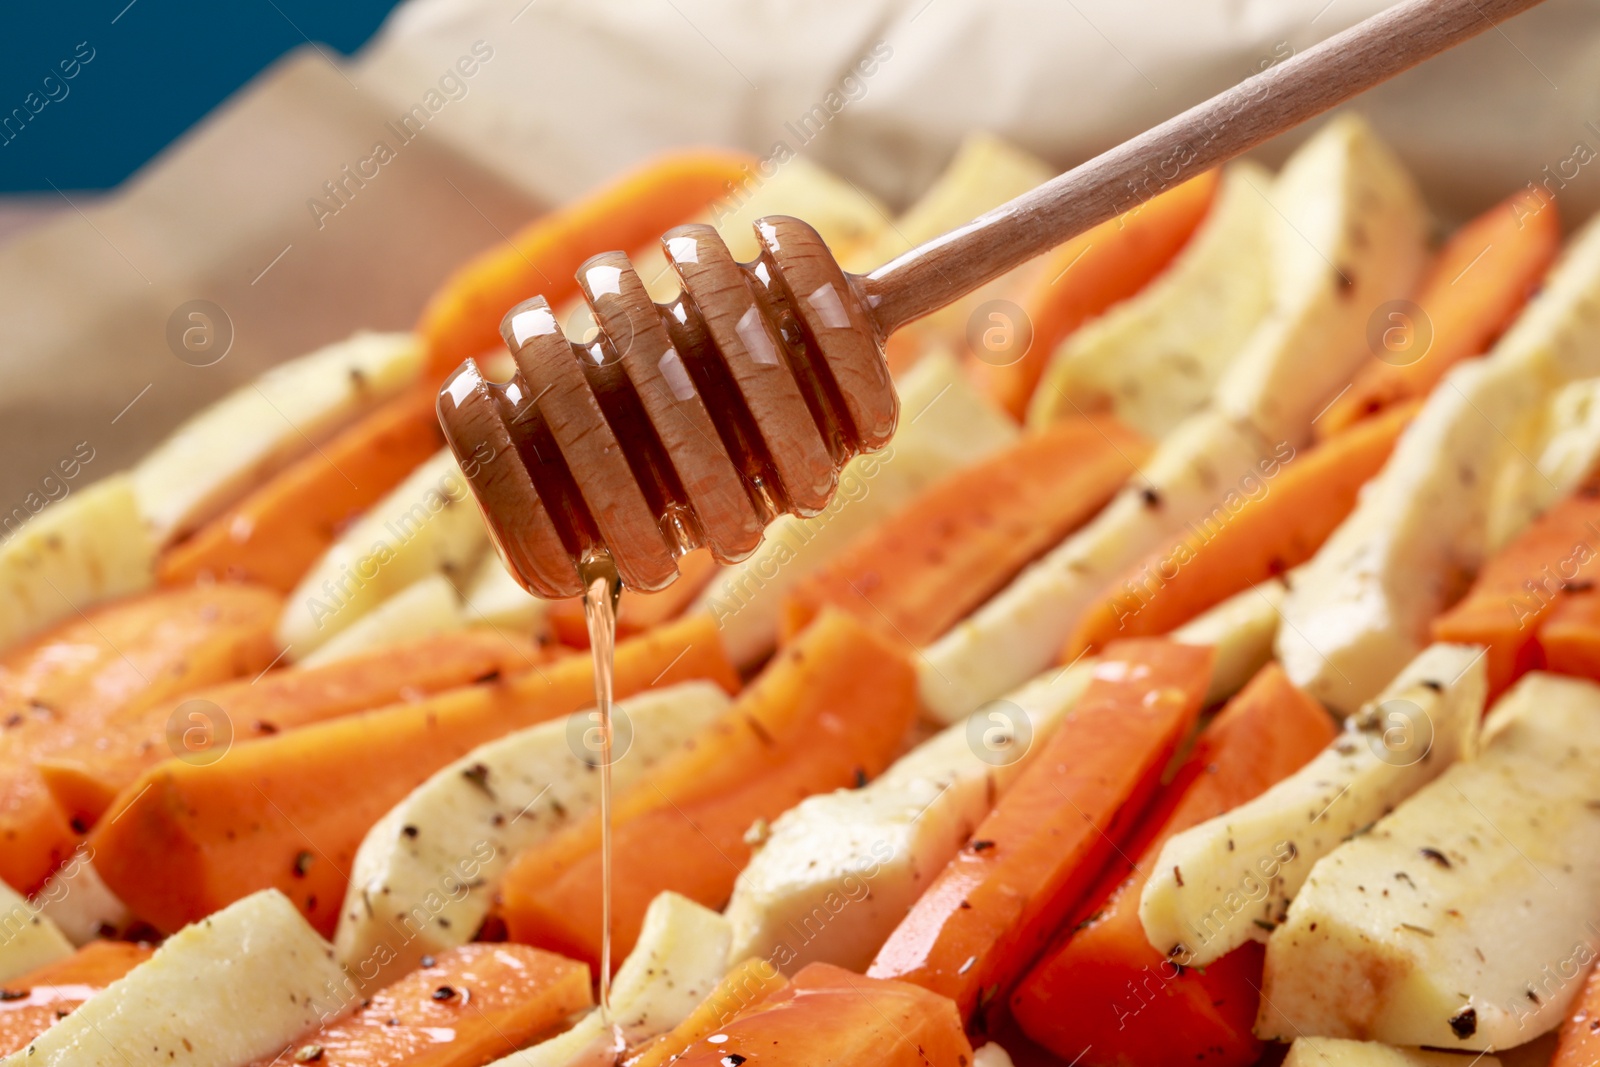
(601, 589)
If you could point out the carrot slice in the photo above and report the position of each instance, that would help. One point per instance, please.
(135, 656)
(1105, 988)
(462, 318)
(1579, 1042)
(1521, 585)
(31, 1004)
(830, 711)
(1475, 289)
(1569, 639)
(637, 612)
(976, 928)
(950, 548)
(489, 999)
(289, 811)
(1093, 271)
(1256, 532)
(743, 988)
(828, 1015)
(278, 530)
(85, 777)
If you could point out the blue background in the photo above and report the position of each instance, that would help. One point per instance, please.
(156, 70)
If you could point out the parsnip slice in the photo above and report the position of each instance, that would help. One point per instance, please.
(1422, 527)
(224, 991)
(493, 598)
(1337, 1052)
(1348, 232)
(28, 939)
(1565, 450)
(423, 876)
(1153, 359)
(1230, 880)
(944, 424)
(1018, 632)
(1467, 918)
(258, 428)
(88, 547)
(425, 607)
(427, 525)
(80, 903)
(1240, 630)
(836, 873)
(678, 960)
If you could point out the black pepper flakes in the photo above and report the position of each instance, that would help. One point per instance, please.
(1433, 855)
(302, 863)
(478, 775)
(1464, 1023)
(1152, 499)
(982, 845)
(444, 992)
(13, 994)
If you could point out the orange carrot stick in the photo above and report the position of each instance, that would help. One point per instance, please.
(30, 1005)
(828, 1015)
(85, 777)
(63, 688)
(1482, 278)
(1569, 638)
(1105, 988)
(462, 318)
(980, 922)
(289, 811)
(1579, 1042)
(1093, 271)
(1520, 586)
(1252, 535)
(281, 527)
(489, 999)
(950, 548)
(637, 612)
(745, 986)
(830, 711)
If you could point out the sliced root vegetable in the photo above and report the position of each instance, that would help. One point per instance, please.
(1564, 450)
(829, 711)
(278, 529)
(978, 925)
(69, 688)
(493, 598)
(465, 825)
(1479, 283)
(1492, 902)
(427, 525)
(1523, 584)
(833, 876)
(830, 1015)
(426, 608)
(289, 811)
(87, 548)
(1363, 605)
(680, 957)
(92, 770)
(1230, 879)
(744, 986)
(462, 318)
(1018, 632)
(78, 902)
(1093, 271)
(1348, 234)
(1337, 1052)
(1239, 632)
(638, 612)
(238, 986)
(28, 940)
(1267, 527)
(259, 428)
(1091, 993)
(490, 999)
(944, 425)
(1153, 359)
(1569, 638)
(922, 569)
(1579, 1043)
(33, 1002)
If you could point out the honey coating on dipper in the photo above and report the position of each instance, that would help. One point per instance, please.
(693, 423)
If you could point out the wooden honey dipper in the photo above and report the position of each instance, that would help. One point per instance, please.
(699, 421)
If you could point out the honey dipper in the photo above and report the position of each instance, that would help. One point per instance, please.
(699, 421)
